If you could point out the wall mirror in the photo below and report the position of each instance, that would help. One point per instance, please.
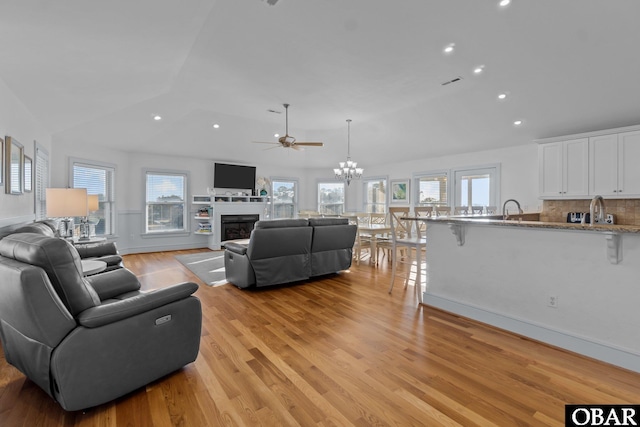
(14, 153)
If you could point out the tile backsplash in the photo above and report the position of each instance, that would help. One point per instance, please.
(626, 211)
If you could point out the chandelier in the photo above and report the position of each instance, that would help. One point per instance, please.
(348, 170)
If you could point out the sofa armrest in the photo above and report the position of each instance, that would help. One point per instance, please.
(109, 313)
(111, 283)
(236, 248)
(92, 250)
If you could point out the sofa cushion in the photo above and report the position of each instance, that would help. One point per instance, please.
(60, 260)
(318, 222)
(281, 223)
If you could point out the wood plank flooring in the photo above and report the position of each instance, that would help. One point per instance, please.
(339, 351)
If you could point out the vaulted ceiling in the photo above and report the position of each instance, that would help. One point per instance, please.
(96, 73)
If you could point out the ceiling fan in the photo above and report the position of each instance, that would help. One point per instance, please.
(287, 141)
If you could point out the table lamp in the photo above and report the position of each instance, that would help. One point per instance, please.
(66, 203)
(93, 204)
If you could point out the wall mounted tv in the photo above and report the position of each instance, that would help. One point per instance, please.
(234, 176)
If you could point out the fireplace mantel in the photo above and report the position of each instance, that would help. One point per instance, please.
(261, 208)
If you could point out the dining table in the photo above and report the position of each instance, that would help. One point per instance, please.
(373, 231)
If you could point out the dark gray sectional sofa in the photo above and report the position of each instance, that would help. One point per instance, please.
(290, 250)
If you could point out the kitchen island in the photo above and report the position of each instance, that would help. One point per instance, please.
(570, 285)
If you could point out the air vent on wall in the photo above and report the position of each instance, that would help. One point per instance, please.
(448, 82)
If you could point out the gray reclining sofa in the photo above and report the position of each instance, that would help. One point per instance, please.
(290, 250)
(88, 340)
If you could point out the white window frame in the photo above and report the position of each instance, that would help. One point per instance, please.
(332, 182)
(296, 186)
(494, 172)
(366, 203)
(110, 198)
(41, 181)
(428, 174)
(185, 208)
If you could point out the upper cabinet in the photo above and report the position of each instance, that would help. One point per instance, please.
(596, 163)
(613, 169)
(564, 169)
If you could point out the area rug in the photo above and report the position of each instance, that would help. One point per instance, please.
(208, 266)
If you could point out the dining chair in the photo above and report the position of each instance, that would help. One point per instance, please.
(442, 210)
(461, 210)
(380, 218)
(476, 210)
(362, 241)
(406, 240)
(492, 210)
(423, 212)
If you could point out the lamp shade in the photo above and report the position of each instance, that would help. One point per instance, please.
(66, 202)
(93, 202)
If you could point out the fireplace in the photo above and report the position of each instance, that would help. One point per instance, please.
(234, 227)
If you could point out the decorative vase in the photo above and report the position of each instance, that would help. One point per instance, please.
(263, 192)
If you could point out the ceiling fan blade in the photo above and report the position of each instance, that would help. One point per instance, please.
(310, 144)
(265, 142)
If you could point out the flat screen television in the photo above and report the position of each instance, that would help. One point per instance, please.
(234, 176)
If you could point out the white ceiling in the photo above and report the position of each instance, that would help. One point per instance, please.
(96, 73)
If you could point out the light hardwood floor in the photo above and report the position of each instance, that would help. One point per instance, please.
(338, 351)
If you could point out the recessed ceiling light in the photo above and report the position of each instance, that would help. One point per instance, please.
(502, 96)
(518, 122)
(216, 126)
(157, 118)
(479, 69)
(504, 3)
(448, 49)
(277, 135)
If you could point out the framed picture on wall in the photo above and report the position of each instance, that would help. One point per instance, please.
(400, 191)
(14, 164)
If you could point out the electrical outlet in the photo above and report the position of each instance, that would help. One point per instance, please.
(552, 301)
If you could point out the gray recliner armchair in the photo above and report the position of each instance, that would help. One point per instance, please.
(101, 251)
(88, 340)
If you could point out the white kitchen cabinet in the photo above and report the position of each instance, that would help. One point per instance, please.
(613, 165)
(564, 169)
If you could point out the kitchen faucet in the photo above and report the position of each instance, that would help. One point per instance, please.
(504, 210)
(597, 200)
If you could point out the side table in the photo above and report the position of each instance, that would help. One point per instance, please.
(92, 266)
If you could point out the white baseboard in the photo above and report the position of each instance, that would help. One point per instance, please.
(148, 249)
(607, 353)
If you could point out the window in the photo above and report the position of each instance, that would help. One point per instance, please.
(165, 202)
(375, 195)
(432, 189)
(41, 181)
(99, 179)
(331, 198)
(477, 186)
(285, 197)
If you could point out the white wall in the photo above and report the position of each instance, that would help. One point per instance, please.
(519, 180)
(16, 121)
(519, 175)
(130, 169)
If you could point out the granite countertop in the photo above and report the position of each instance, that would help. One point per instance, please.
(495, 221)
